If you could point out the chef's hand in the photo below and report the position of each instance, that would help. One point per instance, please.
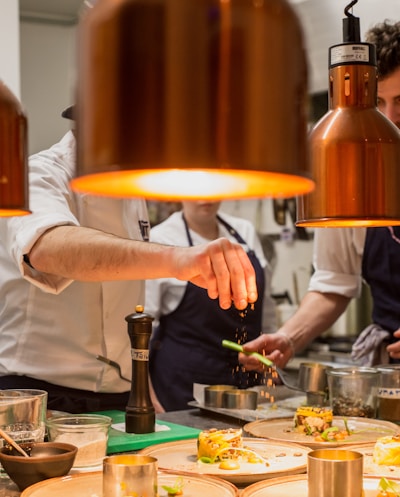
(221, 267)
(277, 347)
(394, 348)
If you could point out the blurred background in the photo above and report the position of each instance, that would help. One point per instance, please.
(38, 64)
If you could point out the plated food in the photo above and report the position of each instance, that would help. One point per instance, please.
(219, 444)
(317, 422)
(245, 461)
(360, 431)
(226, 448)
(387, 451)
(381, 458)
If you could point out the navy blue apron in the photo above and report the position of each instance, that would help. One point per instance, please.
(186, 346)
(381, 270)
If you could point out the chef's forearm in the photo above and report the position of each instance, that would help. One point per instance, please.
(316, 313)
(86, 254)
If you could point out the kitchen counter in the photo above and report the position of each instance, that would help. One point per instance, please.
(200, 419)
(210, 418)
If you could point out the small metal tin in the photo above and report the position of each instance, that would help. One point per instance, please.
(213, 394)
(240, 399)
(313, 377)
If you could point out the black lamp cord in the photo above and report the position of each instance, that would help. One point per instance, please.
(351, 25)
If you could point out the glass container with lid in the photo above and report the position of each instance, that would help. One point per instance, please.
(353, 391)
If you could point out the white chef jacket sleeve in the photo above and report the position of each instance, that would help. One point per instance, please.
(337, 260)
(51, 203)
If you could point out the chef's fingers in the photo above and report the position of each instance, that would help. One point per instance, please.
(394, 348)
(277, 347)
(234, 274)
(251, 363)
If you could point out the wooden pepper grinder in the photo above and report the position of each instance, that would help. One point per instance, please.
(140, 414)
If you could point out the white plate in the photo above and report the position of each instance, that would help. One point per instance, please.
(283, 459)
(91, 485)
(298, 486)
(364, 431)
(371, 468)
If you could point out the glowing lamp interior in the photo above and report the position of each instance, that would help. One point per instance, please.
(190, 184)
(348, 223)
(13, 212)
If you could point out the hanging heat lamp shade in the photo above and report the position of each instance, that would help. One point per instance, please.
(191, 99)
(13, 156)
(354, 148)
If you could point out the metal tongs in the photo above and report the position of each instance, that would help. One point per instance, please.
(267, 362)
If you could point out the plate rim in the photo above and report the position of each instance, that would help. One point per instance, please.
(232, 489)
(312, 444)
(250, 489)
(27, 492)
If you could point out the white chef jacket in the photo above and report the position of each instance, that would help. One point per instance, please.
(52, 328)
(337, 261)
(164, 295)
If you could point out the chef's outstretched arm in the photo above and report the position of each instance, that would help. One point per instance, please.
(86, 254)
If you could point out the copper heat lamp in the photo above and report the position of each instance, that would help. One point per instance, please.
(13, 156)
(191, 99)
(354, 148)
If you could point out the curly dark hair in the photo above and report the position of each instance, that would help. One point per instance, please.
(386, 37)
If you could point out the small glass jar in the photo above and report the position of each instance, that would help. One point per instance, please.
(89, 432)
(389, 392)
(353, 391)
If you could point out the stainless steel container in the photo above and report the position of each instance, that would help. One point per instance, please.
(213, 395)
(312, 377)
(240, 399)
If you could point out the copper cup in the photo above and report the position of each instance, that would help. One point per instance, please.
(333, 473)
(129, 474)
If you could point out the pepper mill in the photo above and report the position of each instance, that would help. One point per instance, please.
(140, 414)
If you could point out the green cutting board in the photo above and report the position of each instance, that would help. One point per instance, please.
(119, 441)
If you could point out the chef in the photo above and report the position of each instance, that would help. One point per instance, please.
(189, 327)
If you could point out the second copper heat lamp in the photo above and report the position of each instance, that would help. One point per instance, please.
(354, 148)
